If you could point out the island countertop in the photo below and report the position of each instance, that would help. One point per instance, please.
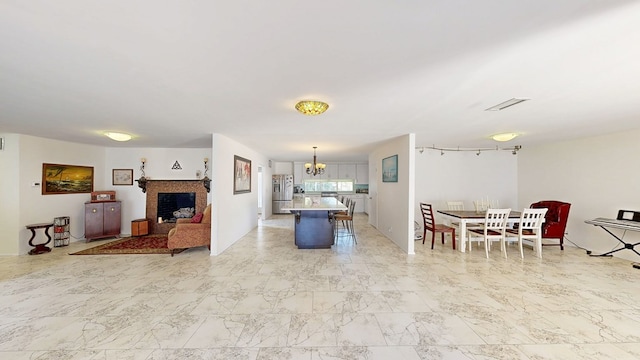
(316, 203)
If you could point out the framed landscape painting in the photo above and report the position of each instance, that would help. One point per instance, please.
(122, 177)
(66, 179)
(241, 175)
(390, 169)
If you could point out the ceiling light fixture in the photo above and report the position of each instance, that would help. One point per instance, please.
(317, 168)
(118, 136)
(504, 136)
(506, 104)
(514, 149)
(311, 107)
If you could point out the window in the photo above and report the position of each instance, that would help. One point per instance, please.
(339, 185)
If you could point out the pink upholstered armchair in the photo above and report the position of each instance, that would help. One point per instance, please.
(555, 221)
(187, 234)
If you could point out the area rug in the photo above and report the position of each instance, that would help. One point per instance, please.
(149, 244)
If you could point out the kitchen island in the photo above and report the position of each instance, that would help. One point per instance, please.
(314, 222)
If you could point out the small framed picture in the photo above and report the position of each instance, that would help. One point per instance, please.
(122, 176)
(390, 169)
(241, 175)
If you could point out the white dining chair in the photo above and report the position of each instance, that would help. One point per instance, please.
(530, 228)
(493, 229)
(482, 205)
(455, 205)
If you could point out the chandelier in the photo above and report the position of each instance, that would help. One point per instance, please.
(311, 107)
(316, 168)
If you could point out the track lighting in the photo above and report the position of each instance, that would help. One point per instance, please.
(514, 149)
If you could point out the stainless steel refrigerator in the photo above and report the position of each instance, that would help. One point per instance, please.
(282, 187)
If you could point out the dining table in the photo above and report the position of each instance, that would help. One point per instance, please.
(465, 217)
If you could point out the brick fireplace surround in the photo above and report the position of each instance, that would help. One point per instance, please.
(171, 186)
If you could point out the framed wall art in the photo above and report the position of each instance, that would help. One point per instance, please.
(122, 177)
(66, 179)
(390, 169)
(241, 175)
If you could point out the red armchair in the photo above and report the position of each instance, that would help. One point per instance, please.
(555, 221)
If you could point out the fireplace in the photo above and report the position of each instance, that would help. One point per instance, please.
(172, 206)
(157, 187)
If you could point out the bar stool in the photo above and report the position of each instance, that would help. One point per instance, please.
(347, 223)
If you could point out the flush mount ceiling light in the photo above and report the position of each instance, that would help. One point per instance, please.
(504, 136)
(118, 136)
(311, 107)
(506, 104)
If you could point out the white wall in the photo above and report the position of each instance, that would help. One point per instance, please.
(283, 167)
(597, 175)
(10, 215)
(233, 216)
(33, 207)
(395, 201)
(465, 176)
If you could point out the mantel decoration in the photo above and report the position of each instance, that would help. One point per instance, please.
(316, 168)
(206, 181)
(66, 179)
(142, 182)
(311, 107)
(241, 175)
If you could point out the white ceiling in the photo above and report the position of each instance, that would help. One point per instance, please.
(173, 72)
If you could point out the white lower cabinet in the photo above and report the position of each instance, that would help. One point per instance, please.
(365, 197)
(359, 199)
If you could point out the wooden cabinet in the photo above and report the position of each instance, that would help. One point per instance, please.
(101, 219)
(140, 227)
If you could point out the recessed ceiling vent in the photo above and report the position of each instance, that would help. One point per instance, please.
(506, 104)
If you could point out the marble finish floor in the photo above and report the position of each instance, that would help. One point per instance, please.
(265, 299)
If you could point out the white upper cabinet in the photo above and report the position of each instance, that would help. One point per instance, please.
(358, 172)
(330, 172)
(298, 169)
(346, 171)
(362, 173)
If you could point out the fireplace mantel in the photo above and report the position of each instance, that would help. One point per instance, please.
(143, 181)
(153, 187)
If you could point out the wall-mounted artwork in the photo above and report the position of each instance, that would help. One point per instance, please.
(241, 175)
(66, 179)
(390, 169)
(122, 177)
